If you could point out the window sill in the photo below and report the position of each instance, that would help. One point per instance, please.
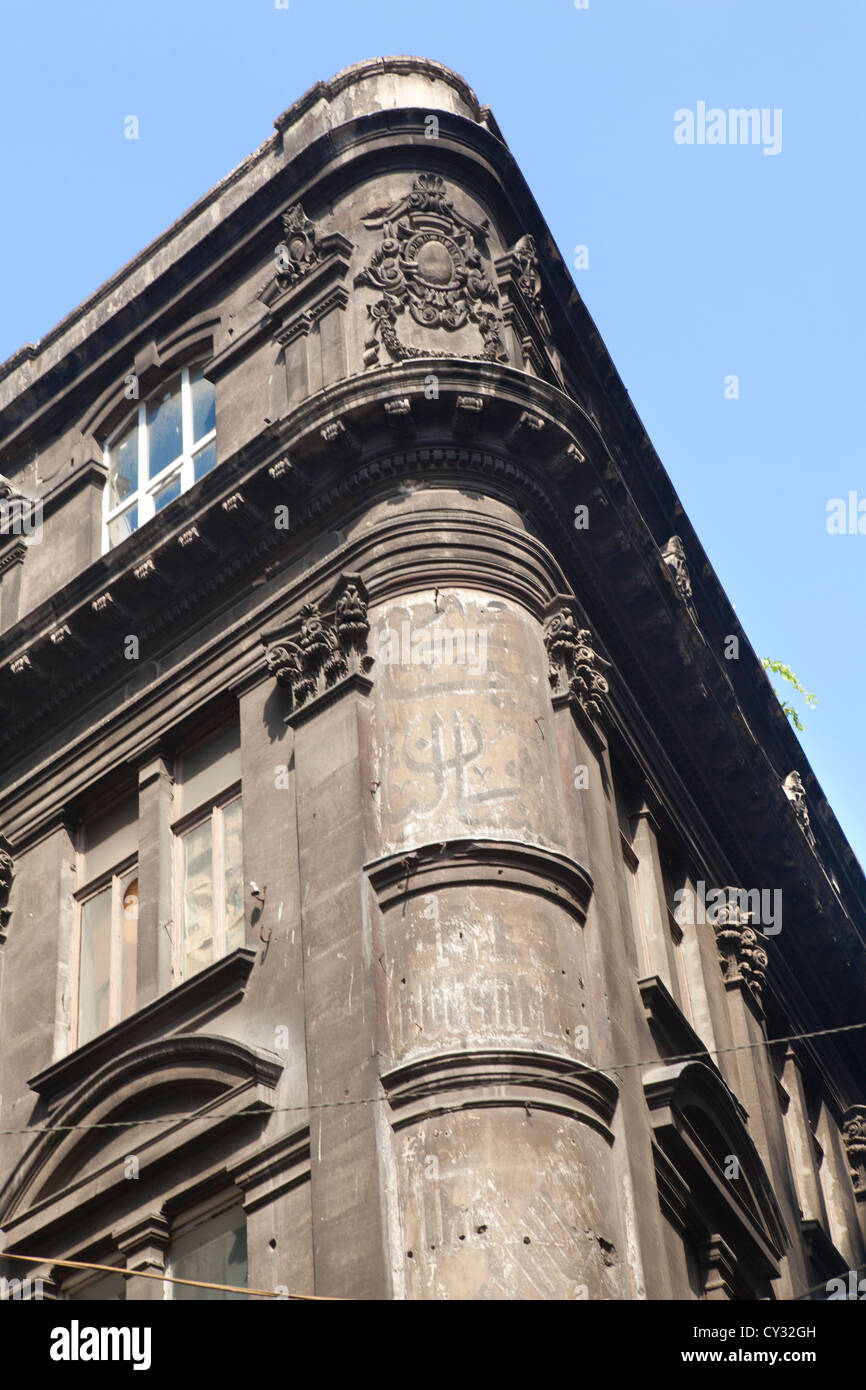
(210, 991)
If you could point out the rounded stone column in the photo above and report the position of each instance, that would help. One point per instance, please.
(500, 1123)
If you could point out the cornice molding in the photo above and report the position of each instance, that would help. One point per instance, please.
(499, 863)
(448, 1082)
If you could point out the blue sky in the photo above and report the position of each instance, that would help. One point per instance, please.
(705, 261)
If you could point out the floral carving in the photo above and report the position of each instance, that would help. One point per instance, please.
(7, 874)
(796, 794)
(854, 1139)
(529, 278)
(299, 250)
(574, 664)
(742, 949)
(674, 556)
(327, 648)
(428, 263)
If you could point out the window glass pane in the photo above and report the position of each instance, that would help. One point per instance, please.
(216, 1253)
(94, 975)
(198, 925)
(202, 404)
(129, 971)
(122, 526)
(123, 467)
(234, 874)
(204, 460)
(164, 495)
(164, 430)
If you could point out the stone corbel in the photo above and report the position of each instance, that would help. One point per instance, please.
(519, 277)
(854, 1139)
(7, 875)
(742, 949)
(303, 286)
(674, 556)
(324, 648)
(305, 266)
(796, 794)
(576, 670)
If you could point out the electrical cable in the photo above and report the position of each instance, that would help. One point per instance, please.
(169, 1279)
(169, 1120)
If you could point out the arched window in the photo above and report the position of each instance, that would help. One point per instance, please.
(165, 446)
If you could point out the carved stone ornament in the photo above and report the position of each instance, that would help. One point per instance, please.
(575, 666)
(742, 949)
(674, 556)
(301, 243)
(854, 1139)
(7, 874)
(796, 794)
(428, 263)
(327, 648)
(529, 278)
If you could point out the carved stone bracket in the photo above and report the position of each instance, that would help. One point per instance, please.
(742, 949)
(7, 875)
(575, 669)
(529, 279)
(796, 794)
(301, 243)
(428, 263)
(523, 308)
(854, 1139)
(320, 649)
(674, 556)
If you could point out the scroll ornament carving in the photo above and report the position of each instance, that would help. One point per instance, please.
(428, 263)
(328, 647)
(529, 277)
(7, 875)
(574, 665)
(742, 949)
(299, 247)
(796, 794)
(674, 556)
(854, 1139)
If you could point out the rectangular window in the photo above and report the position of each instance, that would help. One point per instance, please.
(107, 911)
(209, 854)
(213, 1252)
(161, 449)
(211, 887)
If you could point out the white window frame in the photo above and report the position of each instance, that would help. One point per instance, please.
(213, 811)
(183, 465)
(115, 879)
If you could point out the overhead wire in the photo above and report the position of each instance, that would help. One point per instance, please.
(168, 1120)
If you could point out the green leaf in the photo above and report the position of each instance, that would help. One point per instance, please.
(780, 669)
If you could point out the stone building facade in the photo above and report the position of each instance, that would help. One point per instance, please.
(405, 859)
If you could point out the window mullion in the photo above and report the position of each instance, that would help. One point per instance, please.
(115, 953)
(187, 428)
(177, 941)
(218, 885)
(143, 452)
